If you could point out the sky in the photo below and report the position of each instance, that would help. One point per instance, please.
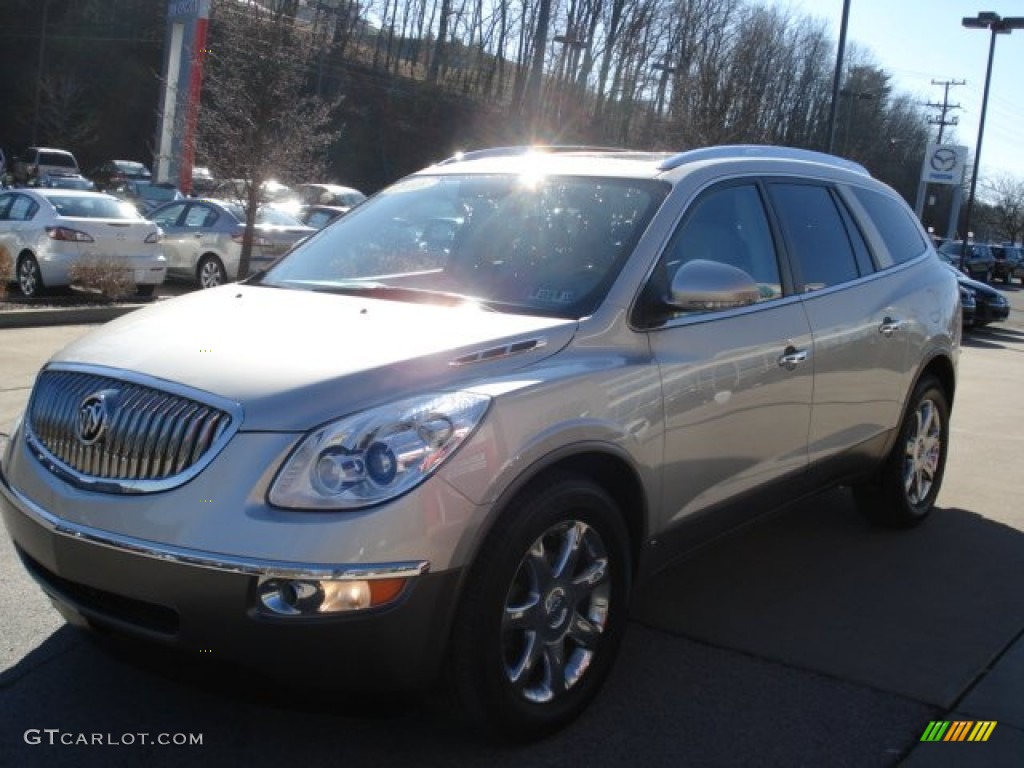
(917, 41)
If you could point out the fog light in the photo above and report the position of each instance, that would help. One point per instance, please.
(309, 597)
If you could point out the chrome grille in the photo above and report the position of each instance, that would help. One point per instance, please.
(150, 437)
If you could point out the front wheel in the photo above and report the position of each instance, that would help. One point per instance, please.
(543, 611)
(905, 491)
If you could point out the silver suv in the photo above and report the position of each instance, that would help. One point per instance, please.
(445, 437)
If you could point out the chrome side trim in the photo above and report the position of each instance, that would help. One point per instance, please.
(210, 560)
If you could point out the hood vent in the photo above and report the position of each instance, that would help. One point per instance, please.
(505, 350)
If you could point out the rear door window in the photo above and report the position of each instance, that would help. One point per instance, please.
(22, 208)
(816, 235)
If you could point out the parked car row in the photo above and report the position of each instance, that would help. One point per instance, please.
(196, 239)
(985, 261)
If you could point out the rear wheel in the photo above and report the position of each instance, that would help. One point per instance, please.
(210, 272)
(905, 492)
(543, 611)
(30, 279)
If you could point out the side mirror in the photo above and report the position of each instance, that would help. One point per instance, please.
(701, 286)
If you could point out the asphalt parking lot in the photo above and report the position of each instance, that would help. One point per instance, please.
(808, 639)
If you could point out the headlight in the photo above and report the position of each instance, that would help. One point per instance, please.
(376, 455)
(7, 441)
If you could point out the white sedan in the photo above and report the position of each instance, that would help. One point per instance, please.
(45, 231)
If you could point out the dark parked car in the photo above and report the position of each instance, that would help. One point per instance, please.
(991, 306)
(968, 305)
(112, 172)
(1009, 261)
(146, 195)
(976, 262)
(441, 439)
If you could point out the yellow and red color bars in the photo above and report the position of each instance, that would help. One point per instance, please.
(958, 730)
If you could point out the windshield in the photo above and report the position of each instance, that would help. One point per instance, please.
(548, 245)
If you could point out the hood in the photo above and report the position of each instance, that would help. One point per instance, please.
(294, 359)
(978, 287)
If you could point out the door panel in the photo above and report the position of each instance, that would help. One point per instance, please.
(736, 416)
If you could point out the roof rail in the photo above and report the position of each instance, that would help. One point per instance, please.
(479, 154)
(766, 151)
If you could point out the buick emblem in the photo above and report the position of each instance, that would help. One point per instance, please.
(93, 415)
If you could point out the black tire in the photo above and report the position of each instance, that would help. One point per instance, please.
(30, 279)
(144, 291)
(537, 632)
(210, 272)
(904, 493)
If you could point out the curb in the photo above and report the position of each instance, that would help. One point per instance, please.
(31, 318)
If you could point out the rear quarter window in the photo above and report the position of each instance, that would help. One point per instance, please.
(896, 226)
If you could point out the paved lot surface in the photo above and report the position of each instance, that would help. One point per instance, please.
(807, 640)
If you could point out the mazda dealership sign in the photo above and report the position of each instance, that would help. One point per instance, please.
(944, 164)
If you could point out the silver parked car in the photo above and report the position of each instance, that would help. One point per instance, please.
(47, 230)
(203, 238)
(444, 437)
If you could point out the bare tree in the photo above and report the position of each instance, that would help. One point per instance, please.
(256, 122)
(1004, 195)
(67, 113)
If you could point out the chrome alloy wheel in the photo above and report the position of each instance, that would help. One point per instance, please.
(211, 273)
(29, 278)
(923, 452)
(555, 611)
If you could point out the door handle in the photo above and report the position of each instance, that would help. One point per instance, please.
(792, 357)
(889, 326)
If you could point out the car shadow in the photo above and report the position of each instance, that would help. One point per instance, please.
(808, 638)
(992, 337)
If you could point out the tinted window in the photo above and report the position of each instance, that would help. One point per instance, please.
(898, 229)
(815, 234)
(57, 159)
(727, 225)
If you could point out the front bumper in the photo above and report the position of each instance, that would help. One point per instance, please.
(991, 313)
(207, 604)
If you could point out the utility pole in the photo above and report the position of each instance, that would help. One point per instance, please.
(941, 121)
(944, 107)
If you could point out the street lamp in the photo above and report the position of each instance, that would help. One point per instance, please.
(998, 26)
(837, 78)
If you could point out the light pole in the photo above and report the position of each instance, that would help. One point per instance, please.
(837, 79)
(998, 26)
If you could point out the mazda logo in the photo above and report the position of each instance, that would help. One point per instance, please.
(944, 160)
(93, 415)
